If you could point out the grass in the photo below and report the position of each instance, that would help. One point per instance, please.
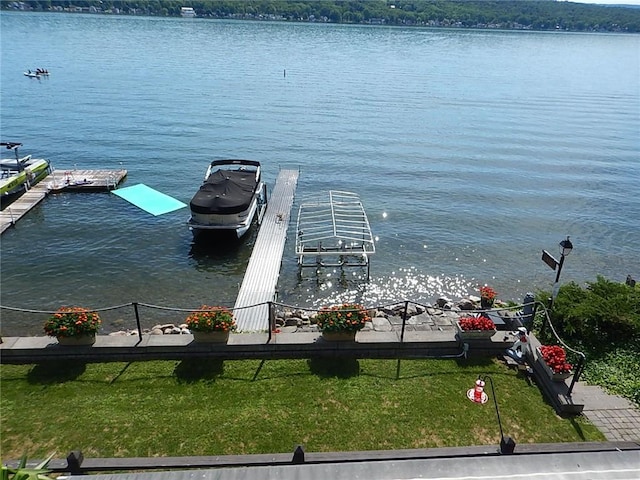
(169, 408)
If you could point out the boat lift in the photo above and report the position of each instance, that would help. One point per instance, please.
(333, 225)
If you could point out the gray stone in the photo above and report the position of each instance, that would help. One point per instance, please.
(443, 301)
(381, 324)
(156, 331)
(292, 322)
(466, 305)
(443, 322)
(421, 319)
(412, 310)
(288, 329)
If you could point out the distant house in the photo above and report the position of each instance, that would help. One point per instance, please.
(187, 12)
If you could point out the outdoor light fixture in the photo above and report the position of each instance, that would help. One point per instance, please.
(565, 249)
(478, 395)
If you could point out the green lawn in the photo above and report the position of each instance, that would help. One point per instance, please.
(244, 407)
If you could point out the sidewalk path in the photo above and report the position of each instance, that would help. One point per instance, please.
(616, 417)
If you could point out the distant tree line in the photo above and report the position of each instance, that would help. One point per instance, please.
(504, 14)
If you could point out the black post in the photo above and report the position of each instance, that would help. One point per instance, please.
(271, 321)
(135, 309)
(74, 462)
(507, 445)
(404, 320)
(298, 455)
(576, 374)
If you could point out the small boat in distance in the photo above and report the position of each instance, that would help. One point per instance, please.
(39, 72)
(231, 196)
(187, 12)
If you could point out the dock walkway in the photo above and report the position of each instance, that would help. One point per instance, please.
(59, 181)
(261, 277)
(23, 205)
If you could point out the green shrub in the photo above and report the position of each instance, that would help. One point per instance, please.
(603, 311)
(602, 320)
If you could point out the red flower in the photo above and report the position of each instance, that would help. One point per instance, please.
(556, 358)
(340, 318)
(488, 293)
(211, 319)
(72, 322)
(476, 323)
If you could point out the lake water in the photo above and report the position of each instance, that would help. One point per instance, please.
(471, 150)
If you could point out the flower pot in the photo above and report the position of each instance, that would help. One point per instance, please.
(78, 340)
(346, 336)
(474, 334)
(556, 377)
(486, 303)
(211, 337)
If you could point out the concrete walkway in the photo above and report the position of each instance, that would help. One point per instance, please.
(616, 417)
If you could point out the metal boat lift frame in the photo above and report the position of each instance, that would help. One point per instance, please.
(334, 225)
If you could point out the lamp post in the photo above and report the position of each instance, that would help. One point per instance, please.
(478, 395)
(565, 249)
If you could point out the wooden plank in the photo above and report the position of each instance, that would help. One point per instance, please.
(260, 279)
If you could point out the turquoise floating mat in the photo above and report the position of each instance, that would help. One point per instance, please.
(148, 199)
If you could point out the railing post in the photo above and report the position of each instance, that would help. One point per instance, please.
(576, 374)
(271, 321)
(135, 309)
(404, 320)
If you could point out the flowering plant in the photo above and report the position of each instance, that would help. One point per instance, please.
(72, 322)
(488, 293)
(348, 317)
(211, 319)
(476, 323)
(556, 358)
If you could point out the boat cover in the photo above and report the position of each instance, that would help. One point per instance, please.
(225, 192)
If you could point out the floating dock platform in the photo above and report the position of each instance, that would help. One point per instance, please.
(60, 181)
(260, 280)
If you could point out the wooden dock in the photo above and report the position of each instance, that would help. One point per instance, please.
(84, 180)
(260, 279)
(59, 181)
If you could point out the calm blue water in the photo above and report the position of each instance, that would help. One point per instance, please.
(471, 150)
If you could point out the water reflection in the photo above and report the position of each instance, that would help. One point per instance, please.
(321, 287)
(210, 250)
